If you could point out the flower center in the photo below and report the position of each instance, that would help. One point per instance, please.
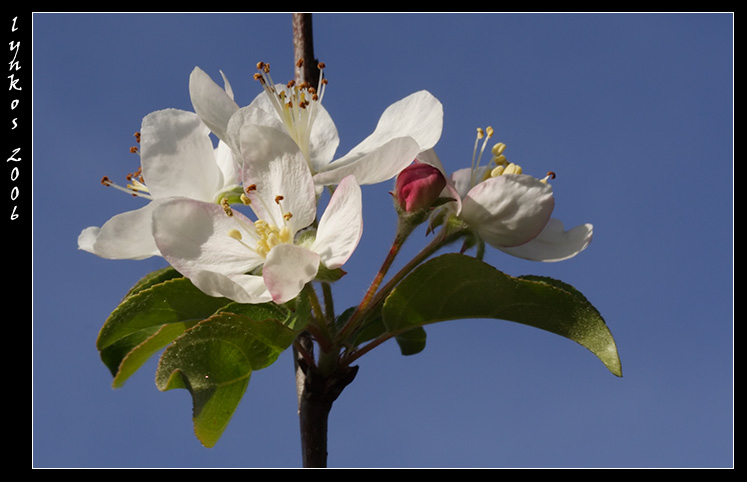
(296, 103)
(499, 162)
(264, 234)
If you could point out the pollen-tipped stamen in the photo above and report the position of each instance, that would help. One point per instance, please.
(295, 103)
(550, 175)
(267, 233)
(135, 188)
(483, 135)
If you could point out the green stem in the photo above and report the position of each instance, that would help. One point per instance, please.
(318, 325)
(329, 306)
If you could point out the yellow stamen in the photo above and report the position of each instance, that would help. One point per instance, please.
(498, 149)
(267, 232)
(512, 169)
(486, 134)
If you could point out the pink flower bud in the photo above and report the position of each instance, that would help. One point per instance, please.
(418, 186)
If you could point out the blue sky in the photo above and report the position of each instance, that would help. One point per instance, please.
(634, 112)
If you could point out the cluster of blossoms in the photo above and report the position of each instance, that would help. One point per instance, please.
(273, 159)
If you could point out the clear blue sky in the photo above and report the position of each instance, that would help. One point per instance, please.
(634, 112)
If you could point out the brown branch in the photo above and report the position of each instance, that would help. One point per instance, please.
(316, 388)
(303, 49)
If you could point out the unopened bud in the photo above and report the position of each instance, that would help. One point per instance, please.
(418, 186)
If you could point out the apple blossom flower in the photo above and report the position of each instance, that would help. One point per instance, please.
(226, 253)
(508, 209)
(177, 158)
(407, 127)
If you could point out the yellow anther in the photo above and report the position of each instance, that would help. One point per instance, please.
(512, 169)
(500, 160)
(269, 237)
(498, 149)
(262, 248)
(261, 226)
(480, 133)
(489, 131)
(285, 235)
(245, 199)
(235, 234)
(273, 239)
(501, 169)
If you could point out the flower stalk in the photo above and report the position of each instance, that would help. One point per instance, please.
(445, 237)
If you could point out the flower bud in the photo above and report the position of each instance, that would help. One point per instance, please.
(418, 186)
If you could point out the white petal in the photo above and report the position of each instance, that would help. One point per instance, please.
(418, 116)
(341, 225)
(226, 85)
(323, 140)
(228, 167)
(374, 166)
(177, 156)
(465, 179)
(87, 238)
(193, 237)
(259, 112)
(275, 165)
(124, 236)
(554, 243)
(508, 210)
(287, 269)
(214, 105)
(239, 288)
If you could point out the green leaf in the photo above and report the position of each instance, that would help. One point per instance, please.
(215, 359)
(158, 299)
(132, 357)
(412, 341)
(154, 278)
(455, 286)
